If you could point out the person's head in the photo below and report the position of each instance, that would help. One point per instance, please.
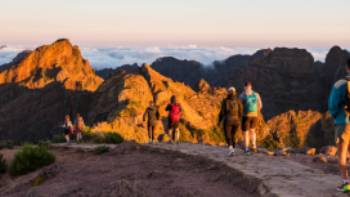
(248, 86)
(347, 68)
(231, 91)
(151, 103)
(67, 118)
(173, 100)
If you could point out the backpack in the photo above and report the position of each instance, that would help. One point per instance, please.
(347, 99)
(232, 109)
(175, 112)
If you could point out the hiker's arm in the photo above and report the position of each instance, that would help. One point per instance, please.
(260, 105)
(145, 115)
(167, 108)
(240, 105)
(334, 102)
(158, 114)
(222, 111)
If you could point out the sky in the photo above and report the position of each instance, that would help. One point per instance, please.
(168, 25)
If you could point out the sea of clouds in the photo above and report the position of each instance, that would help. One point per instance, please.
(117, 56)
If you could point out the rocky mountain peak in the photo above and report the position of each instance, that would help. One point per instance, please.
(58, 62)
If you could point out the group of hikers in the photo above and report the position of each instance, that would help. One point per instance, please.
(236, 111)
(152, 116)
(242, 111)
(73, 129)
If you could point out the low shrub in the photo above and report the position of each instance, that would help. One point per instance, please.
(30, 158)
(59, 138)
(103, 138)
(113, 138)
(101, 150)
(3, 165)
(7, 144)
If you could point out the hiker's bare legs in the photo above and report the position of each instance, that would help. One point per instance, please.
(342, 153)
(246, 139)
(177, 135)
(67, 138)
(252, 135)
(79, 136)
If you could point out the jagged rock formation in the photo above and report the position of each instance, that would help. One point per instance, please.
(59, 62)
(283, 76)
(39, 87)
(123, 98)
(189, 72)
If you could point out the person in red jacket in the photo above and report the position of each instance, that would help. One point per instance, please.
(175, 113)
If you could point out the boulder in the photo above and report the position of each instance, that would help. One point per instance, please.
(311, 151)
(329, 150)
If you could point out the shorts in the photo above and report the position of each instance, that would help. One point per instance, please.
(68, 131)
(249, 123)
(342, 133)
(173, 125)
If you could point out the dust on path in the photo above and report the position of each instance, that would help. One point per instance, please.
(129, 170)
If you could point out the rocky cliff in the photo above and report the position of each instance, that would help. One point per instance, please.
(283, 76)
(39, 87)
(59, 62)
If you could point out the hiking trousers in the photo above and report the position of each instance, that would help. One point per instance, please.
(231, 128)
(151, 127)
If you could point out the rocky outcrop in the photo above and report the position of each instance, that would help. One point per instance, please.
(59, 62)
(282, 76)
(122, 100)
(39, 87)
(189, 72)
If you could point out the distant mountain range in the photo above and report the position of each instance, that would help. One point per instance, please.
(39, 87)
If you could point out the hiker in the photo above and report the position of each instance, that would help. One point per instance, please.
(175, 112)
(79, 127)
(68, 128)
(252, 106)
(339, 108)
(152, 115)
(231, 114)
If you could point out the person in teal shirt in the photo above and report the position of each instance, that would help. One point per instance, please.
(252, 106)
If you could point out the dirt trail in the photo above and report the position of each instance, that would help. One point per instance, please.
(128, 170)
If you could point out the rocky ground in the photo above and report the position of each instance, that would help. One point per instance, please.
(173, 170)
(127, 170)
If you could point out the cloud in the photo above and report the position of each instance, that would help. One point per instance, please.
(117, 56)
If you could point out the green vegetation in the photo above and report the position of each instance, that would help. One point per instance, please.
(270, 143)
(30, 158)
(59, 138)
(101, 150)
(103, 138)
(7, 144)
(3, 165)
(38, 180)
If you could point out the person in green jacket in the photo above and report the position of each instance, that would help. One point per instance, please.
(231, 114)
(252, 105)
(152, 116)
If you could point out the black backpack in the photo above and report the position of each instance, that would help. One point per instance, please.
(232, 108)
(347, 98)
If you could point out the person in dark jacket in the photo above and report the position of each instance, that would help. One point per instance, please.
(338, 108)
(231, 114)
(152, 116)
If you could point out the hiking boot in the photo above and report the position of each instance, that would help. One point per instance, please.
(231, 151)
(247, 152)
(345, 188)
(254, 150)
